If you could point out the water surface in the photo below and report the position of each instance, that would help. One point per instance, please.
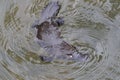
(93, 26)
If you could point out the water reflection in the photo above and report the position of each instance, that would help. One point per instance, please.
(90, 25)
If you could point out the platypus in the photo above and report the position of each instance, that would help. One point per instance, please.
(49, 36)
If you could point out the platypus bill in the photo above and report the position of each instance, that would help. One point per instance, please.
(49, 38)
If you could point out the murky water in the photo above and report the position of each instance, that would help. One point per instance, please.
(93, 26)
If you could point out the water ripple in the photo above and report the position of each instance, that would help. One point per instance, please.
(90, 25)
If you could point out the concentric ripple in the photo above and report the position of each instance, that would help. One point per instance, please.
(92, 26)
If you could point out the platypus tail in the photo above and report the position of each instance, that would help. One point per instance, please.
(51, 10)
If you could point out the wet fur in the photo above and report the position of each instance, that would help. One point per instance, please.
(48, 35)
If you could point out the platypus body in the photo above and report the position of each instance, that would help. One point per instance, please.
(49, 38)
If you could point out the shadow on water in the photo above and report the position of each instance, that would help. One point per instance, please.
(90, 25)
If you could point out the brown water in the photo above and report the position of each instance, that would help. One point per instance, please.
(93, 26)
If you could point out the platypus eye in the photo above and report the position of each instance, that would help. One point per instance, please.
(60, 21)
(46, 59)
